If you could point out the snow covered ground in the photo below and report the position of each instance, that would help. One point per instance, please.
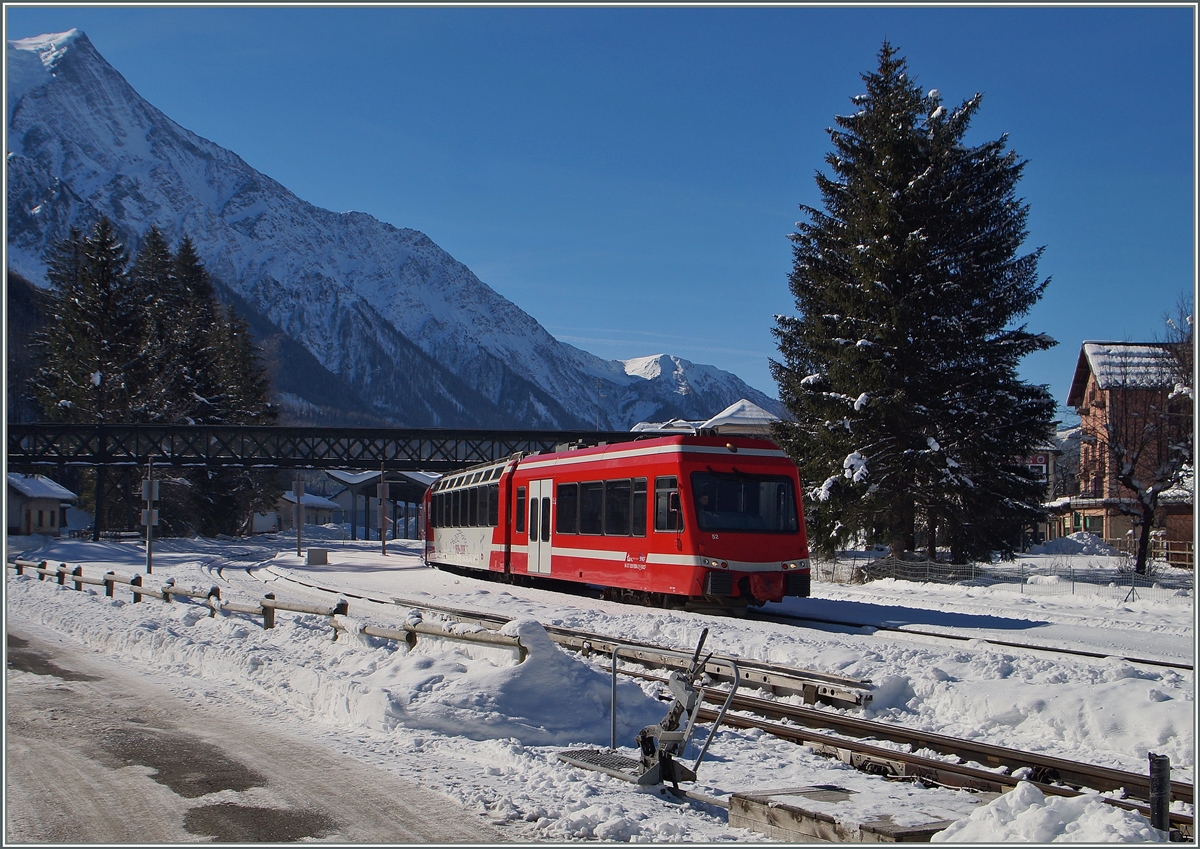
(485, 731)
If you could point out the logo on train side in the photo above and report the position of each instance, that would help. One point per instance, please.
(635, 561)
(458, 543)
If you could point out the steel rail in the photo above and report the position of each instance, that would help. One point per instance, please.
(811, 685)
(891, 763)
(1045, 768)
(788, 618)
(870, 758)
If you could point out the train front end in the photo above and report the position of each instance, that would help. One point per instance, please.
(742, 511)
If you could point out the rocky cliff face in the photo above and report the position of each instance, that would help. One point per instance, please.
(410, 334)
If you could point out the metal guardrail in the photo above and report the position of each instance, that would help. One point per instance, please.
(266, 608)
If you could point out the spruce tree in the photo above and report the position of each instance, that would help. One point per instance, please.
(93, 345)
(197, 336)
(900, 366)
(150, 278)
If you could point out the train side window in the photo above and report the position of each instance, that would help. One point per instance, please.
(455, 508)
(568, 508)
(520, 509)
(493, 504)
(473, 507)
(533, 520)
(591, 507)
(637, 518)
(616, 508)
(667, 515)
(546, 519)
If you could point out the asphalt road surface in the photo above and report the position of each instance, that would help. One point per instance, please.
(98, 754)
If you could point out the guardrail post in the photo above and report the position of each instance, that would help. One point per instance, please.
(62, 574)
(136, 582)
(20, 567)
(108, 584)
(342, 608)
(77, 572)
(268, 614)
(41, 574)
(213, 592)
(1160, 792)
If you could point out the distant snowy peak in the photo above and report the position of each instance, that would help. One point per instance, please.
(382, 308)
(30, 62)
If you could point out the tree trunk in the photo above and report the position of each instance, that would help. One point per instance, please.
(1143, 546)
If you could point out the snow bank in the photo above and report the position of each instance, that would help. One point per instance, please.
(1026, 815)
(358, 681)
(1077, 543)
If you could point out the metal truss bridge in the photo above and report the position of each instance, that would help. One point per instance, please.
(216, 446)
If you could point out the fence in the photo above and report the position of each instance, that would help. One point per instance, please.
(167, 591)
(1177, 553)
(1052, 578)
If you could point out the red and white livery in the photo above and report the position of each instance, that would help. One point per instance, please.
(669, 519)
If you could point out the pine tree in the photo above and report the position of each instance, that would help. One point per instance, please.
(151, 278)
(93, 345)
(148, 342)
(900, 367)
(196, 336)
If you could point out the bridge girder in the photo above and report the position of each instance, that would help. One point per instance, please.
(217, 446)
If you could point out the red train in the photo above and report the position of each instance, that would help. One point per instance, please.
(665, 520)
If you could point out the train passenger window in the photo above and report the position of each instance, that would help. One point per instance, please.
(456, 520)
(473, 507)
(616, 508)
(493, 504)
(435, 514)
(637, 517)
(546, 519)
(667, 515)
(568, 508)
(520, 509)
(591, 507)
(533, 520)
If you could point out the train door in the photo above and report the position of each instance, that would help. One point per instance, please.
(540, 492)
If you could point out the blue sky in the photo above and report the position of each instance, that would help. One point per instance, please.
(628, 176)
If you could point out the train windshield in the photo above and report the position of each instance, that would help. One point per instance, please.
(748, 503)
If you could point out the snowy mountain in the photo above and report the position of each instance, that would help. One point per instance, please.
(379, 319)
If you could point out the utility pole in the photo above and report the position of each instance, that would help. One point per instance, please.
(383, 513)
(298, 511)
(150, 512)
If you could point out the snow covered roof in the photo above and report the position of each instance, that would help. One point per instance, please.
(1124, 365)
(741, 418)
(352, 478)
(316, 502)
(357, 478)
(39, 486)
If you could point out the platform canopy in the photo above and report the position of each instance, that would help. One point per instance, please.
(403, 486)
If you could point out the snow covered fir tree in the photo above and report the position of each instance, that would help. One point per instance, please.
(900, 365)
(146, 341)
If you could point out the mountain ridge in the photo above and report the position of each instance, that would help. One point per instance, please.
(414, 334)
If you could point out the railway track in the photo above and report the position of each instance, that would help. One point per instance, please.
(864, 744)
(789, 619)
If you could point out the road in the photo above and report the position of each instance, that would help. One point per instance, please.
(96, 753)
